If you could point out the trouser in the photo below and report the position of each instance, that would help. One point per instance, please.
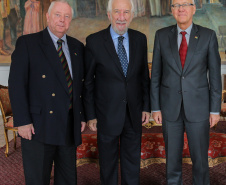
(198, 142)
(38, 159)
(130, 152)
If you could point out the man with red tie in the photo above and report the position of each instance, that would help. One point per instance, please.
(186, 90)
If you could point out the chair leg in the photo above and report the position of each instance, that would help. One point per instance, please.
(7, 142)
(14, 138)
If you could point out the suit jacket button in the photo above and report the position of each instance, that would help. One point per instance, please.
(83, 80)
(43, 76)
(80, 112)
(183, 77)
(80, 96)
(53, 94)
(51, 112)
(179, 92)
(125, 101)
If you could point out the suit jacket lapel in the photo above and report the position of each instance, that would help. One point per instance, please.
(174, 48)
(53, 58)
(111, 49)
(132, 53)
(191, 47)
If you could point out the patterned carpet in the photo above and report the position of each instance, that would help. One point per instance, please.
(11, 170)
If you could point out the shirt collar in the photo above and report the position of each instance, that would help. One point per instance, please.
(188, 30)
(55, 38)
(114, 35)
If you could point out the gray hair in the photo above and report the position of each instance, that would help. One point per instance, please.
(193, 2)
(110, 2)
(61, 1)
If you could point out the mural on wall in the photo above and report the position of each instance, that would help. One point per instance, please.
(20, 17)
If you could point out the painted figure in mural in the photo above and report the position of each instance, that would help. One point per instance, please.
(31, 22)
(183, 98)
(2, 51)
(223, 2)
(139, 8)
(165, 7)
(22, 13)
(44, 5)
(73, 4)
(198, 4)
(4, 13)
(101, 6)
(116, 95)
(155, 6)
(45, 86)
(12, 18)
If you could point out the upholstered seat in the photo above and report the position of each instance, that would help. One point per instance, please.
(153, 149)
(223, 109)
(149, 67)
(9, 123)
(7, 116)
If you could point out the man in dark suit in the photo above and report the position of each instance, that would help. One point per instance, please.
(117, 93)
(45, 86)
(186, 90)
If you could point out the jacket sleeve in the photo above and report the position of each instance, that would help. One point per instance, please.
(18, 84)
(214, 66)
(146, 80)
(90, 66)
(156, 74)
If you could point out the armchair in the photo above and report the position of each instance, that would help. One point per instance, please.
(223, 106)
(7, 116)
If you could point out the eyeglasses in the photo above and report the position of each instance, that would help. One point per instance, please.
(185, 5)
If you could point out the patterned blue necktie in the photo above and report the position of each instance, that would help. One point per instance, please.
(122, 55)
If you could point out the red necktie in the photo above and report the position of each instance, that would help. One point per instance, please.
(183, 49)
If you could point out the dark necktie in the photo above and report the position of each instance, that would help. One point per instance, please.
(66, 69)
(122, 55)
(183, 49)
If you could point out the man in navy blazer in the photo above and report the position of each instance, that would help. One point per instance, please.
(45, 86)
(186, 90)
(117, 93)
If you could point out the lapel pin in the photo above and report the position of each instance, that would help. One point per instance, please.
(75, 54)
(196, 37)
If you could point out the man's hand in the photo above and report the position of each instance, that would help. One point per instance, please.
(157, 116)
(26, 131)
(214, 119)
(83, 125)
(92, 124)
(145, 117)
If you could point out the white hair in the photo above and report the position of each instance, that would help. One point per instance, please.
(61, 1)
(193, 2)
(110, 2)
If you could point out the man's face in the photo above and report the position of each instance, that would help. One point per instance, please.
(183, 15)
(59, 19)
(120, 16)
